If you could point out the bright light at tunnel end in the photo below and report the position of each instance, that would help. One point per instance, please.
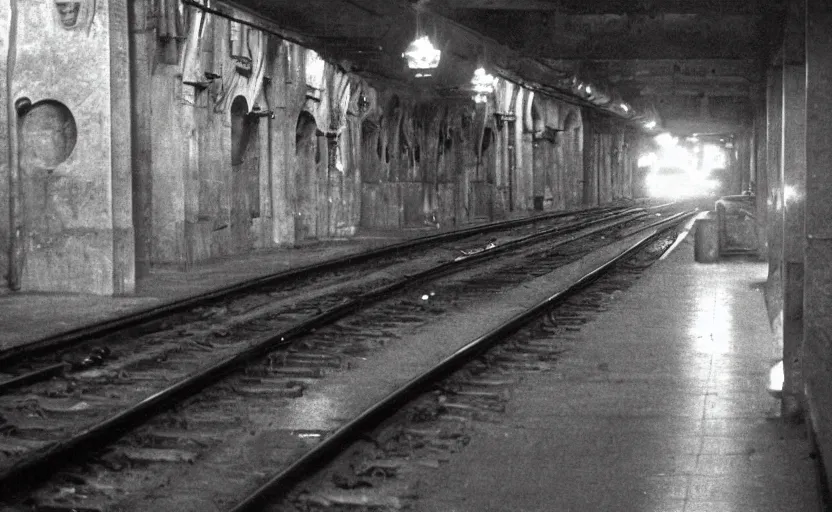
(679, 170)
(665, 140)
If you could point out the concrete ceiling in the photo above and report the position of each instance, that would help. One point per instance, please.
(699, 63)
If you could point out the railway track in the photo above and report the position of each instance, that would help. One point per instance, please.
(181, 311)
(268, 376)
(295, 294)
(387, 466)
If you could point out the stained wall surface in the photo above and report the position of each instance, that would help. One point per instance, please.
(68, 179)
(239, 140)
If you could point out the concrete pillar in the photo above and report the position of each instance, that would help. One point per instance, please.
(774, 214)
(540, 166)
(760, 174)
(750, 160)
(75, 221)
(743, 152)
(511, 161)
(794, 185)
(142, 49)
(817, 295)
(793, 180)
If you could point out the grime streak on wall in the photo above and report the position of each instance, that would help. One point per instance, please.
(241, 140)
(65, 168)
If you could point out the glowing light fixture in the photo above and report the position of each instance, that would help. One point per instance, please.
(665, 140)
(650, 125)
(421, 54)
(315, 67)
(625, 107)
(588, 89)
(483, 85)
(775, 380)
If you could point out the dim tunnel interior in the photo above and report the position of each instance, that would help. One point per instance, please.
(149, 140)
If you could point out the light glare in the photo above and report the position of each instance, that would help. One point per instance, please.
(483, 85)
(421, 54)
(483, 82)
(647, 160)
(789, 193)
(665, 140)
(775, 379)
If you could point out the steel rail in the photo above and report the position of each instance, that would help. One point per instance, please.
(84, 334)
(61, 368)
(48, 459)
(334, 443)
(38, 375)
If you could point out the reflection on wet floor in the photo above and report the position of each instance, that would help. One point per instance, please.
(659, 405)
(737, 436)
(712, 325)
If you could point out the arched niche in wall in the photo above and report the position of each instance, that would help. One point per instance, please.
(487, 139)
(242, 126)
(392, 140)
(48, 134)
(572, 121)
(482, 190)
(538, 123)
(541, 157)
(393, 105)
(370, 150)
(573, 156)
(309, 155)
(245, 176)
(305, 134)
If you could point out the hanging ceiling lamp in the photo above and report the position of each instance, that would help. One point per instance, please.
(421, 55)
(483, 85)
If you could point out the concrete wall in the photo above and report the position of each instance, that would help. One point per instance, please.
(240, 140)
(610, 159)
(5, 123)
(66, 188)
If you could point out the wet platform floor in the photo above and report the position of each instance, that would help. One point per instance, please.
(658, 405)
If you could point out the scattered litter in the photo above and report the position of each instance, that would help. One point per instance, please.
(366, 498)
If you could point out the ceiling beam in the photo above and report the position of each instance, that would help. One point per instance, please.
(620, 6)
(635, 69)
(614, 37)
(692, 90)
(700, 126)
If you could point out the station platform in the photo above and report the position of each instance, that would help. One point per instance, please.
(658, 405)
(27, 317)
